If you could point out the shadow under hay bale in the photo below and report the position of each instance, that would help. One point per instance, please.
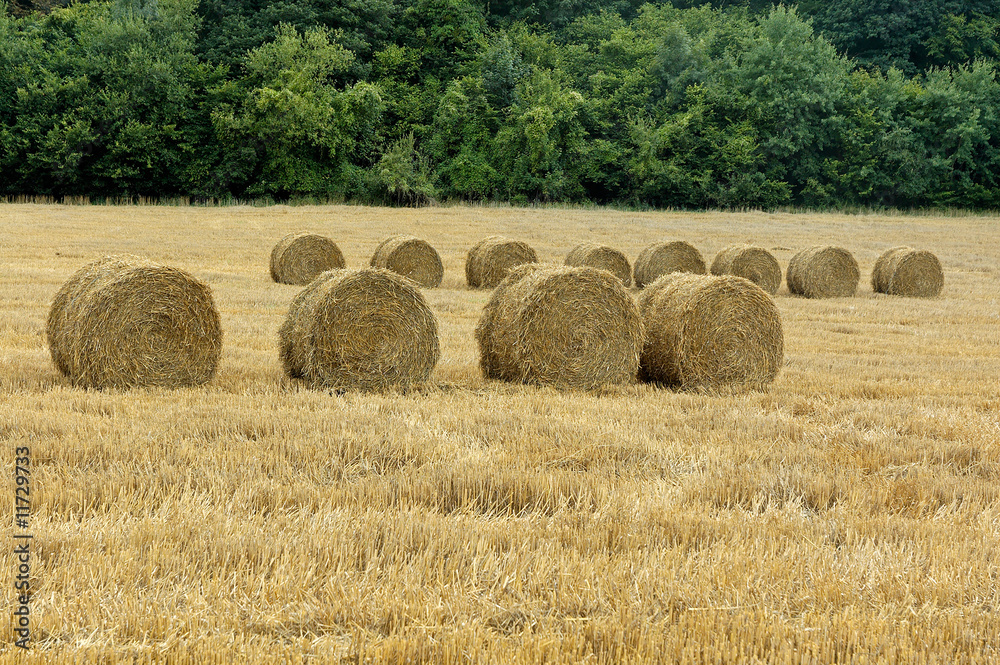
(364, 329)
(710, 332)
(663, 258)
(299, 257)
(410, 257)
(123, 322)
(753, 263)
(904, 271)
(568, 327)
(603, 257)
(823, 271)
(490, 259)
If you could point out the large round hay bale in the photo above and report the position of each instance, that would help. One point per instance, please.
(663, 258)
(601, 256)
(364, 329)
(299, 257)
(904, 271)
(707, 331)
(753, 263)
(122, 322)
(568, 327)
(494, 365)
(490, 259)
(823, 271)
(410, 257)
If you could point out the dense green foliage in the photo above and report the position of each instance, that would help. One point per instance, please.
(861, 102)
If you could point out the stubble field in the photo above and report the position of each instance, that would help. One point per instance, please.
(851, 513)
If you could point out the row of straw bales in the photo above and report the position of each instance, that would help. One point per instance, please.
(578, 327)
(123, 321)
(822, 271)
(299, 258)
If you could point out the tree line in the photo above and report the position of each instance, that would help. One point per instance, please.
(854, 103)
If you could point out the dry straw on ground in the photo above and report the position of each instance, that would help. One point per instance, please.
(299, 257)
(568, 327)
(490, 259)
(823, 271)
(663, 258)
(708, 331)
(904, 271)
(123, 321)
(753, 263)
(360, 330)
(604, 257)
(411, 257)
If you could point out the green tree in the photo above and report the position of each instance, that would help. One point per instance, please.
(542, 141)
(290, 131)
(462, 142)
(910, 36)
(107, 100)
(790, 85)
(231, 28)
(695, 158)
(403, 176)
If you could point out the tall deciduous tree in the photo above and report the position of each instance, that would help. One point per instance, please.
(107, 100)
(290, 131)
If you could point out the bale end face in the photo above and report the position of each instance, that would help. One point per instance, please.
(710, 332)
(299, 257)
(664, 258)
(490, 259)
(567, 327)
(602, 257)
(823, 271)
(904, 271)
(410, 257)
(366, 330)
(753, 263)
(124, 322)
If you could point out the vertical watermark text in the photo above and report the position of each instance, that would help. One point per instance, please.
(22, 546)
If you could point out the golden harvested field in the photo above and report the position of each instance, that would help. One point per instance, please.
(849, 514)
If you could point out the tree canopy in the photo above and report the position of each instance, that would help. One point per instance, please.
(683, 104)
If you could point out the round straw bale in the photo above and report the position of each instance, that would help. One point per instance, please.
(122, 322)
(364, 329)
(666, 257)
(562, 326)
(493, 365)
(490, 259)
(410, 257)
(299, 257)
(705, 331)
(601, 256)
(753, 263)
(904, 271)
(823, 272)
